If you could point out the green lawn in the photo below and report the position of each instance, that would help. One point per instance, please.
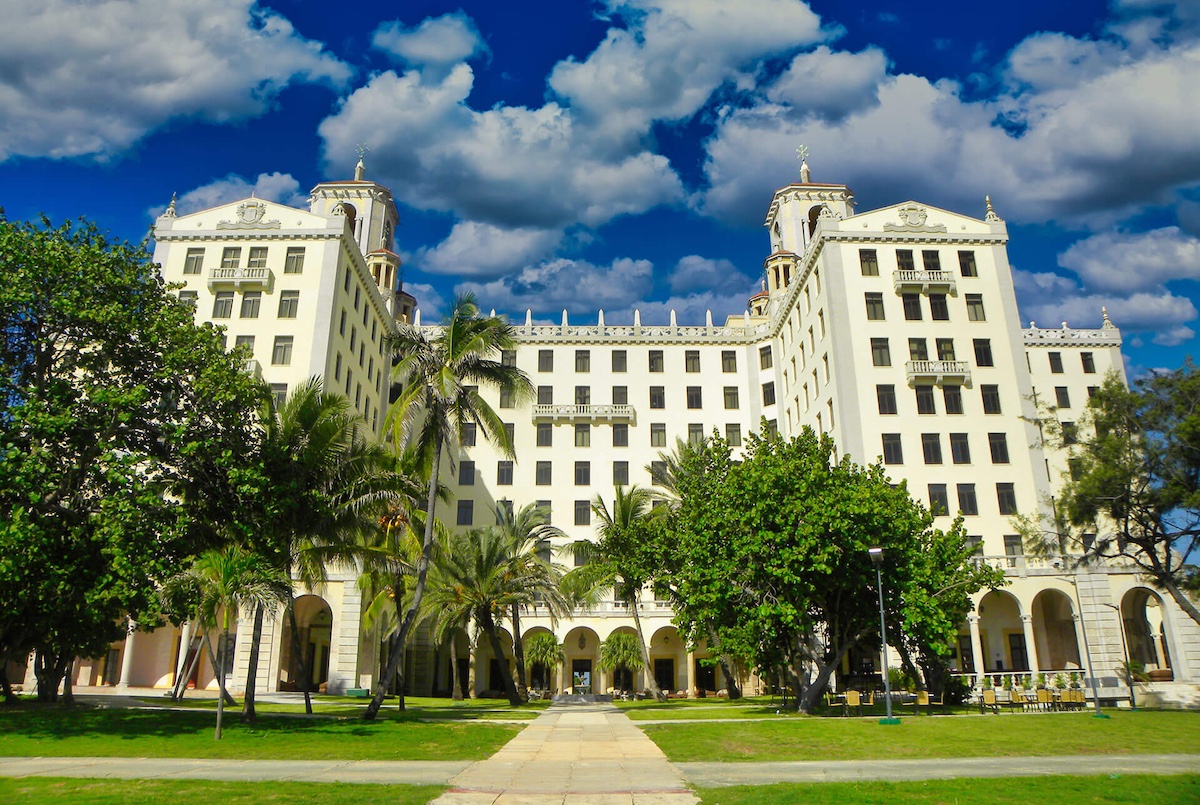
(415, 707)
(53, 791)
(808, 738)
(1135, 790)
(55, 732)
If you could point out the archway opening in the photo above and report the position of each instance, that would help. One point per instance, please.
(1054, 631)
(314, 627)
(1002, 636)
(1146, 634)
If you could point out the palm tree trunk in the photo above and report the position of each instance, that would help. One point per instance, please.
(422, 574)
(456, 691)
(301, 666)
(651, 682)
(248, 714)
(472, 656)
(519, 653)
(217, 671)
(510, 687)
(221, 682)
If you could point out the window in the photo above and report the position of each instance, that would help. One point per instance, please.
(931, 259)
(357, 296)
(620, 395)
(289, 302)
(974, 545)
(545, 360)
(583, 395)
(952, 397)
(346, 281)
(1062, 397)
(960, 448)
(1070, 433)
(939, 501)
(975, 307)
(658, 472)
(194, 261)
(353, 337)
(874, 307)
(938, 309)
(904, 260)
(893, 453)
(583, 512)
(983, 352)
(1089, 363)
(998, 444)
(694, 397)
(281, 355)
(966, 264)
(1006, 497)
(583, 360)
(279, 393)
(691, 361)
(885, 395)
(658, 397)
(931, 446)
(733, 434)
(945, 348)
(583, 473)
(258, 257)
(293, 263)
(504, 473)
(504, 509)
(1013, 548)
(1092, 390)
(231, 256)
(620, 434)
(466, 435)
(466, 473)
(466, 512)
(545, 434)
(764, 358)
(869, 262)
(620, 362)
(508, 357)
(583, 434)
(731, 398)
(246, 341)
(881, 354)
(658, 434)
(967, 503)
(991, 398)
(1056, 363)
(349, 380)
(695, 433)
(509, 432)
(191, 297)
(912, 306)
(656, 360)
(918, 350)
(925, 402)
(545, 395)
(768, 392)
(620, 473)
(223, 305)
(342, 324)
(728, 360)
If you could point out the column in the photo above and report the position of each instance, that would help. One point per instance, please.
(127, 657)
(1081, 645)
(1030, 644)
(185, 641)
(690, 660)
(977, 647)
(563, 676)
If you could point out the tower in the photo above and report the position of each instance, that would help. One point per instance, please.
(793, 217)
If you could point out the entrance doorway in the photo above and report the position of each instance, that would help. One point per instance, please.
(664, 673)
(706, 677)
(1016, 650)
(581, 676)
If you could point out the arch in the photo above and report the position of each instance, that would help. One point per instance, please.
(668, 659)
(314, 627)
(1002, 634)
(1054, 630)
(814, 213)
(538, 675)
(487, 665)
(351, 214)
(580, 672)
(1143, 617)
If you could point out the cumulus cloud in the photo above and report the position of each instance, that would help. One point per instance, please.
(573, 285)
(429, 301)
(436, 45)
(91, 79)
(1140, 312)
(1116, 261)
(830, 84)
(1039, 284)
(1174, 336)
(694, 272)
(280, 187)
(478, 249)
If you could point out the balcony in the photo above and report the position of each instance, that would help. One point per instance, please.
(590, 413)
(252, 367)
(939, 373)
(239, 278)
(924, 282)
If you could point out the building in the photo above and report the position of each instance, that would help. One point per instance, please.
(894, 330)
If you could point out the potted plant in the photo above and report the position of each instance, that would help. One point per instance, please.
(1060, 681)
(1008, 683)
(1041, 681)
(1074, 677)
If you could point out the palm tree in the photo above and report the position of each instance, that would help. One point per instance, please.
(439, 376)
(621, 651)
(222, 582)
(544, 649)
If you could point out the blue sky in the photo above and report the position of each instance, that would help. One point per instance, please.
(588, 155)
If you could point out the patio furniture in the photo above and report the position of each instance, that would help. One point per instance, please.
(923, 699)
(1045, 699)
(987, 699)
(853, 698)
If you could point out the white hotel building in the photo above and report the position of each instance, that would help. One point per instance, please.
(895, 330)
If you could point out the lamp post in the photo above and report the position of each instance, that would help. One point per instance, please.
(877, 560)
(1125, 654)
(1087, 650)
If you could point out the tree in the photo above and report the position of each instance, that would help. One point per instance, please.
(439, 376)
(622, 651)
(219, 584)
(1135, 477)
(121, 422)
(544, 649)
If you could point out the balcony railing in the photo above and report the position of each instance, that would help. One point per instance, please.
(939, 373)
(239, 277)
(252, 367)
(924, 282)
(611, 413)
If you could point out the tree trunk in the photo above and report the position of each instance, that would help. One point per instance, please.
(218, 670)
(1185, 603)
(301, 665)
(5, 685)
(472, 656)
(456, 690)
(510, 687)
(68, 692)
(248, 714)
(224, 647)
(400, 677)
(651, 682)
(817, 686)
(727, 666)
(48, 669)
(519, 653)
(181, 684)
(422, 573)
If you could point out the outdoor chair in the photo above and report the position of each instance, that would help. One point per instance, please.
(923, 699)
(1045, 699)
(853, 699)
(988, 700)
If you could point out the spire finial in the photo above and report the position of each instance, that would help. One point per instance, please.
(802, 155)
(360, 170)
(991, 214)
(170, 211)
(1107, 325)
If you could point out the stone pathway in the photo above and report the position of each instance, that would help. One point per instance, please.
(571, 755)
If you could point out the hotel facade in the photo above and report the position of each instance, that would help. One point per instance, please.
(895, 331)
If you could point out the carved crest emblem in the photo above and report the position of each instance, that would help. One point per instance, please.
(251, 212)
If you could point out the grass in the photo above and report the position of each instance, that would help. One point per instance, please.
(54, 732)
(53, 791)
(415, 708)
(807, 738)
(1113, 789)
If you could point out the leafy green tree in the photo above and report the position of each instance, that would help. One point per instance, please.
(622, 651)
(439, 375)
(1135, 478)
(121, 426)
(544, 649)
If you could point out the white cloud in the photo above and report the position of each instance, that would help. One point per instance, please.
(1037, 284)
(477, 249)
(1159, 312)
(831, 84)
(573, 285)
(429, 301)
(436, 45)
(1175, 336)
(280, 187)
(694, 272)
(1122, 261)
(91, 79)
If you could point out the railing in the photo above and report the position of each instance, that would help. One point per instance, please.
(252, 367)
(239, 276)
(924, 281)
(608, 412)
(955, 373)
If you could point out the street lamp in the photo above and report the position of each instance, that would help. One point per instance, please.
(1125, 654)
(877, 560)
(1087, 650)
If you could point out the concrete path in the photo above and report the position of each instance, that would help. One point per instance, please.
(571, 755)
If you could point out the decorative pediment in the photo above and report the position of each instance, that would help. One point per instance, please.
(912, 219)
(250, 215)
